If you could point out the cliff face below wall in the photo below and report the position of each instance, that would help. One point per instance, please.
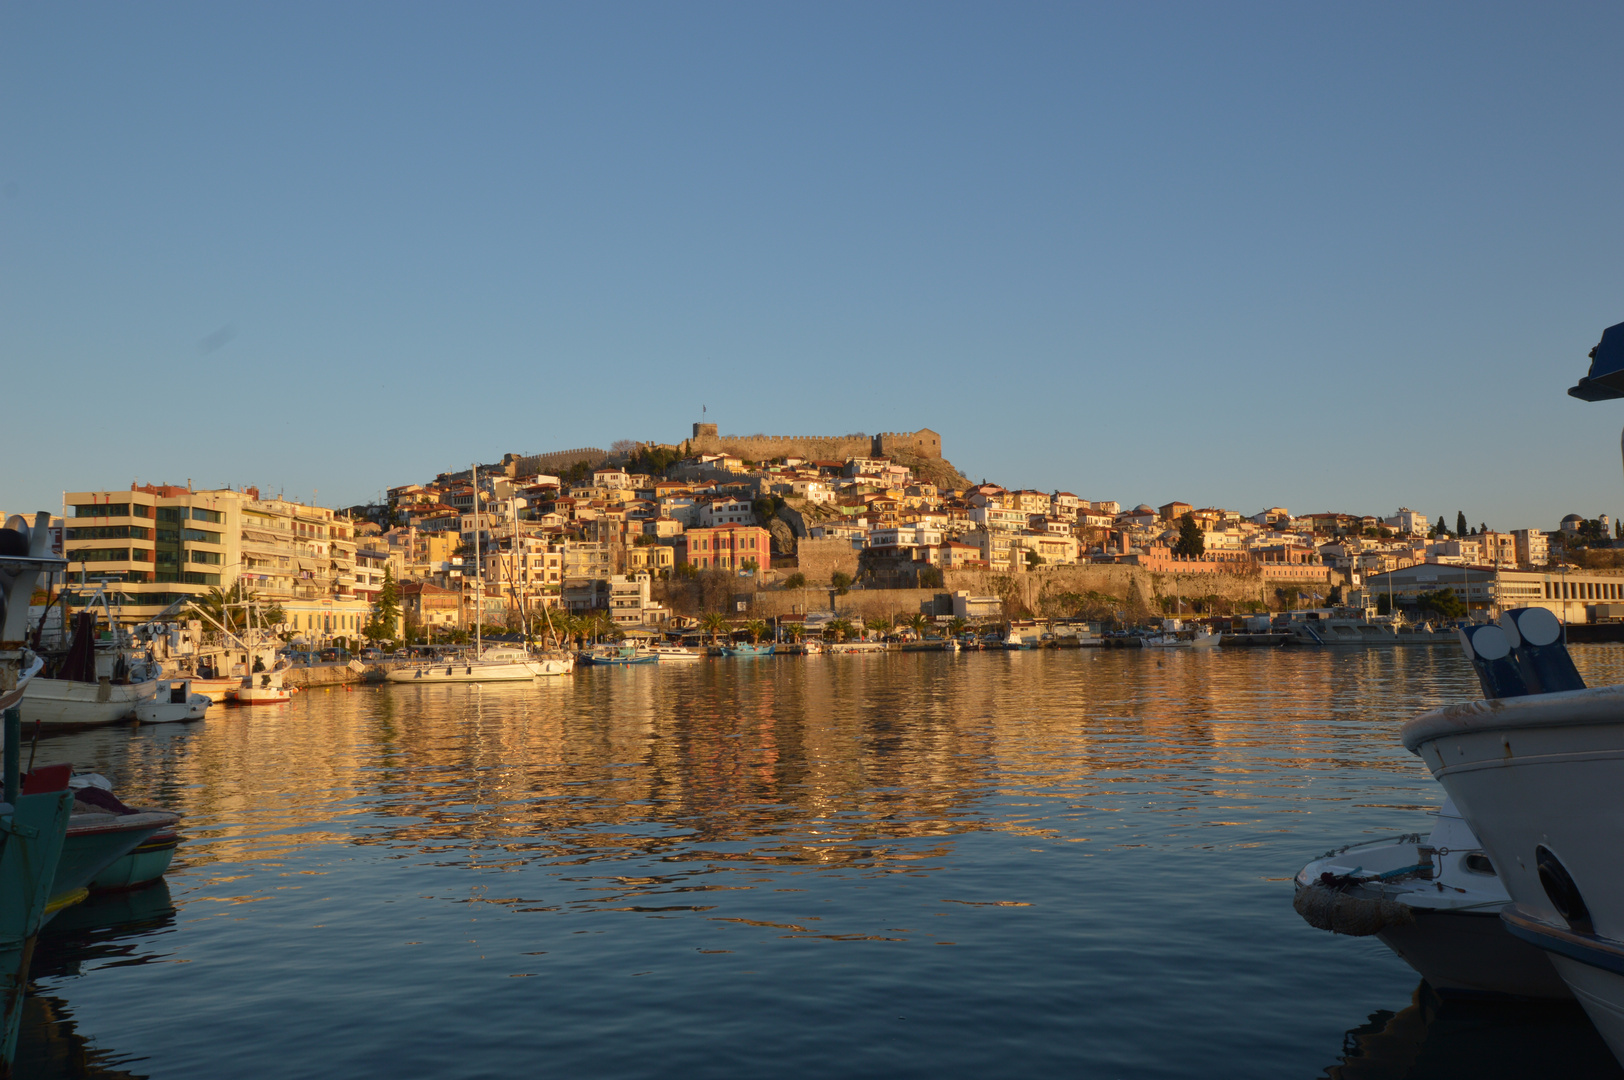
(1094, 591)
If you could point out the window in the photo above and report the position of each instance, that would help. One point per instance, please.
(99, 555)
(200, 514)
(102, 510)
(201, 579)
(171, 513)
(110, 532)
(203, 557)
(200, 536)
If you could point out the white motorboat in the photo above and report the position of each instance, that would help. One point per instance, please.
(840, 647)
(1538, 777)
(1436, 902)
(1206, 639)
(496, 664)
(261, 688)
(674, 653)
(1164, 641)
(173, 702)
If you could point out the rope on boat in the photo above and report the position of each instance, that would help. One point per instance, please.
(1328, 908)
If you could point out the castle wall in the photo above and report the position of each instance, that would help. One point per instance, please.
(924, 442)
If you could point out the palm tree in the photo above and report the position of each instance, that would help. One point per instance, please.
(917, 623)
(841, 627)
(715, 624)
(958, 626)
(756, 629)
(877, 623)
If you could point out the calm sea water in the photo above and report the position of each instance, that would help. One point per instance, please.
(1001, 864)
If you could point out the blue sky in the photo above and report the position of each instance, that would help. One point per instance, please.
(1319, 256)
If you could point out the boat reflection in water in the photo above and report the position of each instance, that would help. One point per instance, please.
(1440, 1037)
(108, 929)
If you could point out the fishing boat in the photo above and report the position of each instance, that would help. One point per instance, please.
(33, 816)
(1536, 768)
(261, 688)
(87, 687)
(1166, 640)
(618, 656)
(1206, 639)
(742, 649)
(173, 701)
(1436, 902)
(1015, 641)
(101, 832)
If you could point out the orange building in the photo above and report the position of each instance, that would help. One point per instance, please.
(725, 547)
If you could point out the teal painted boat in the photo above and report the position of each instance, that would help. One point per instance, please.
(32, 829)
(99, 843)
(144, 865)
(748, 650)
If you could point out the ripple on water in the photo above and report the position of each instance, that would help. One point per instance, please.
(911, 865)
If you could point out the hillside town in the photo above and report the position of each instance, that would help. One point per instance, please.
(632, 535)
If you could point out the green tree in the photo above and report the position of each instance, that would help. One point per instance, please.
(756, 629)
(841, 582)
(957, 626)
(1460, 523)
(715, 624)
(878, 623)
(1192, 542)
(1033, 560)
(1335, 599)
(1443, 602)
(385, 610)
(841, 628)
(1441, 529)
(917, 623)
(931, 577)
(796, 580)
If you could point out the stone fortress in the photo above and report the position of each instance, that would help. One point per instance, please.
(923, 443)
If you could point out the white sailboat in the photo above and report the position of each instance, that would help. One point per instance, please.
(502, 663)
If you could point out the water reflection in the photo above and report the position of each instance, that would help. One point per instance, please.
(111, 930)
(1443, 1038)
(1063, 861)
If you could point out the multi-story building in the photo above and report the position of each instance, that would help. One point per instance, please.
(1533, 547)
(158, 544)
(728, 547)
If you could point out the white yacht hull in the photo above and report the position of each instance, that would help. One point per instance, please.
(476, 671)
(1538, 778)
(63, 703)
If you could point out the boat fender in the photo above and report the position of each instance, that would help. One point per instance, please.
(1326, 908)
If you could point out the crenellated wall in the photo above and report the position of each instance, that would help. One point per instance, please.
(924, 442)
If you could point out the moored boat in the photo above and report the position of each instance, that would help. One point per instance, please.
(261, 688)
(673, 653)
(495, 664)
(743, 649)
(1436, 902)
(172, 702)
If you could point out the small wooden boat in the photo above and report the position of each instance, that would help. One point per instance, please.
(739, 649)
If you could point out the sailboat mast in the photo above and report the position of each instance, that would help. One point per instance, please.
(479, 572)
